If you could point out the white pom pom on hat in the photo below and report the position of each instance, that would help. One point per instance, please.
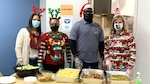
(117, 12)
(85, 6)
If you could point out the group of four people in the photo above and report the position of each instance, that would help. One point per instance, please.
(86, 41)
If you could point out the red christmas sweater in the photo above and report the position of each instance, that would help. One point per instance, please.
(52, 48)
(120, 50)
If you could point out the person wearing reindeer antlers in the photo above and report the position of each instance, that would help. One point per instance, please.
(53, 47)
(27, 41)
(86, 39)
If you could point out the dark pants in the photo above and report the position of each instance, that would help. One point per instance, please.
(33, 61)
(89, 65)
(53, 68)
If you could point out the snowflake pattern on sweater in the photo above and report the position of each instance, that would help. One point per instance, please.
(120, 50)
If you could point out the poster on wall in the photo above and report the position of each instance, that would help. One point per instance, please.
(66, 24)
(66, 17)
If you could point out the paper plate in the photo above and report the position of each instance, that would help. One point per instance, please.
(7, 79)
(30, 79)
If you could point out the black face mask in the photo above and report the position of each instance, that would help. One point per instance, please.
(88, 18)
(54, 28)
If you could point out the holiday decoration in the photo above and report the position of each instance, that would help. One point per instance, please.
(85, 6)
(54, 12)
(35, 10)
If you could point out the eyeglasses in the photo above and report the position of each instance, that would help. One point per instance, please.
(88, 12)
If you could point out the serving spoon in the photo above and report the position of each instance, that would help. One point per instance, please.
(78, 79)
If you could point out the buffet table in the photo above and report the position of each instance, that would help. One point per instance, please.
(21, 81)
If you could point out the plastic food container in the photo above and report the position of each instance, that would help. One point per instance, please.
(121, 82)
(92, 76)
(119, 77)
(46, 76)
(30, 79)
(66, 75)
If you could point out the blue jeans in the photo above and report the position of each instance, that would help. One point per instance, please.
(33, 61)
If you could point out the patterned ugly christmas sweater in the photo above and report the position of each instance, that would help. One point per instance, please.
(53, 48)
(120, 50)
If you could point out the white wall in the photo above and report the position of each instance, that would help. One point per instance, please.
(142, 37)
(77, 4)
(126, 6)
(43, 18)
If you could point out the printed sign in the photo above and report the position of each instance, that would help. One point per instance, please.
(66, 24)
(66, 9)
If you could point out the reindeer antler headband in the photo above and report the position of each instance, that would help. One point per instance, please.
(54, 15)
(35, 9)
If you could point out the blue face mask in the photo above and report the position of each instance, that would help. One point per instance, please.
(35, 24)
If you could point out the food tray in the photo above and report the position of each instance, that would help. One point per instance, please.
(118, 75)
(66, 75)
(121, 82)
(46, 76)
(65, 79)
(92, 79)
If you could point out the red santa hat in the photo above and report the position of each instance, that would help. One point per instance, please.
(117, 12)
(85, 6)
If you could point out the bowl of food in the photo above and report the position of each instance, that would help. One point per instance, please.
(45, 76)
(26, 70)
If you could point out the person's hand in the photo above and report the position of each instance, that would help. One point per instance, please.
(78, 63)
(20, 63)
(108, 64)
(40, 68)
(103, 65)
(100, 64)
(129, 72)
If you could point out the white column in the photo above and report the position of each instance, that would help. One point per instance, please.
(142, 38)
(43, 17)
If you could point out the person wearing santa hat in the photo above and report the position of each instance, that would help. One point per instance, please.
(86, 40)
